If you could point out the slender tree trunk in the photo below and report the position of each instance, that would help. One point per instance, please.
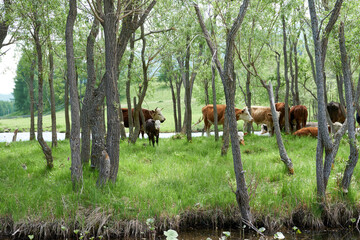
(340, 84)
(310, 58)
(296, 74)
(76, 166)
(90, 85)
(213, 74)
(354, 153)
(128, 97)
(178, 95)
(292, 75)
(277, 58)
(52, 96)
(283, 154)
(287, 125)
(188, 115)
(173, 96)
(226, 75)
(32, 100)
(67, 117)
(206, 91)
(45, 148)
(248, 102)
(324, 142)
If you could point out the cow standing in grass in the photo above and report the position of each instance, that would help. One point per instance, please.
(152, 128)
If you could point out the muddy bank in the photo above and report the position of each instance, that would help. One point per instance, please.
(98, 223)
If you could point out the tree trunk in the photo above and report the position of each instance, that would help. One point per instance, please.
(90, 85)
(45, 148)
(340, 84)
(52, 96)
(4, 25)
(76, 166)
(292, 75)
(32, 100)
(287, 125)
(112, 97)
(324, 142)
(206, 91)
(283, 154)
(296, 74)
(277, 58)
(310, 58)
(213, 74)
(226, 75)
(173, 95)
(67, 117)
(350, 111)
(248, 102)
(178, 95)
(187, 116)
(104, 171)
(128, 97)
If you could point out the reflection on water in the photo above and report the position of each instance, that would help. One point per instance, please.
(345, 234)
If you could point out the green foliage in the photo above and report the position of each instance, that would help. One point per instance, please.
(6, 107)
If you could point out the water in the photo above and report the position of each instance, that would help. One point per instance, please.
(25, 136)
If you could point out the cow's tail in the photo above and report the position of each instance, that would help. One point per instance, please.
(199, 121)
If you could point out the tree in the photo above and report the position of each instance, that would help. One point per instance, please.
(5, 21)
(227, 74)
(76, 166)
(325, 144)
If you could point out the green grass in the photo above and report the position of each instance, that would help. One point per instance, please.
(165, 181)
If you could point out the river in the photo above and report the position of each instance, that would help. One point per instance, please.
(25, 136)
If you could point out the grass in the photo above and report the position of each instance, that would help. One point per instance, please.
(170, 180)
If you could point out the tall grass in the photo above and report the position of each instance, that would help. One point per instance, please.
(168, 180)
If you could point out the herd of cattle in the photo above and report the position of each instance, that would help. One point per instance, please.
(258, 114)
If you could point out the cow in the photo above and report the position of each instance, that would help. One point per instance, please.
(241, 137)
(309, 131)
(148, 114)
(280, 106)
(208, 115)
(152, 128)
(263, 115)
(336, 111)
(298, 115)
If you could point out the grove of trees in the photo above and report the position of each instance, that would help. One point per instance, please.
(106, 55)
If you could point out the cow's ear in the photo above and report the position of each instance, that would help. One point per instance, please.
(269, 114)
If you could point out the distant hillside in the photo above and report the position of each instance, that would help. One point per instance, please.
(6, 97)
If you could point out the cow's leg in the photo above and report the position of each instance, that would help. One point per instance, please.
(298, 125)
(157, 139)
(153, 140)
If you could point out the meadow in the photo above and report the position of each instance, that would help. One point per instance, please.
(177, 184)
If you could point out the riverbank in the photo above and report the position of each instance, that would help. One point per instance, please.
(180, 185)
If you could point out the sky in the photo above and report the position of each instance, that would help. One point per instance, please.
(8, 64)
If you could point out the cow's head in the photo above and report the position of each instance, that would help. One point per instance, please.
(157, 124)
(157, 115)
(243, 114)
(241, 138)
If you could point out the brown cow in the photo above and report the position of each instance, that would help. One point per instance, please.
(148, 114)
(263, 115)
(208, 115)
(298, 115)
(280, 107)
(336, 112)
(308, 131)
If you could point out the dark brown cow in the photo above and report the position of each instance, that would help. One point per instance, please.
(263, 115)
(336, 113)
(208, 115)
(148, 114)
(298, 115)
(280, 107)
